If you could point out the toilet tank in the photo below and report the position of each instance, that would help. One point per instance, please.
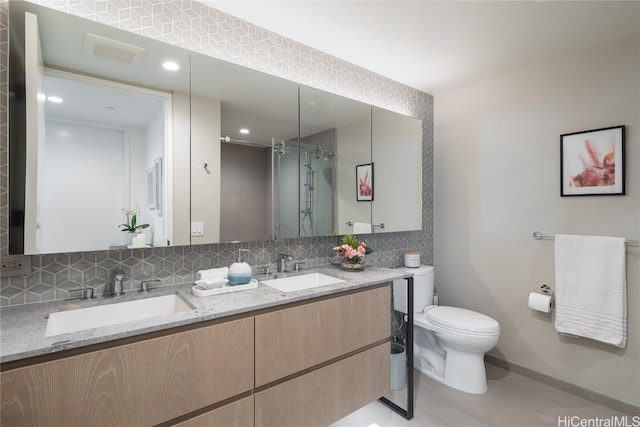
(422, 289)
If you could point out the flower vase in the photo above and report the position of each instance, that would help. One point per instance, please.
(352, 264)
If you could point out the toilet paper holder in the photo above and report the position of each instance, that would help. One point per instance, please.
(546, 289)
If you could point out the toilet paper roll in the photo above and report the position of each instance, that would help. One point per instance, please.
(540, 302)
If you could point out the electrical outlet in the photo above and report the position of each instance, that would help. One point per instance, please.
(15, 265)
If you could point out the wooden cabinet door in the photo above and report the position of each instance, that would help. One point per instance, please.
(328, 394)
(143, 383)
(297, 338)
(236, 414)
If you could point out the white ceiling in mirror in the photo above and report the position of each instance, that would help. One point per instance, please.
(93, 101)
(64, 39)
(263, 103)
(435, 46)
(320, 110)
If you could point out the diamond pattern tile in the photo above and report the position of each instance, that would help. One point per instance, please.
(199, 28)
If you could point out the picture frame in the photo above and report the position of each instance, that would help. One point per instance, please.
(364, 182)
(151, 189)
(592, 162)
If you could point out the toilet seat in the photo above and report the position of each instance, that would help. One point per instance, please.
(459, 320)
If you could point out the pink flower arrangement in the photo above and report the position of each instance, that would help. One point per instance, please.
(352, 249)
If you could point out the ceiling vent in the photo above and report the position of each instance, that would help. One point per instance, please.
(114, 50)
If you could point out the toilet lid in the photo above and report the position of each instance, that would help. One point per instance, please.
(459, 318)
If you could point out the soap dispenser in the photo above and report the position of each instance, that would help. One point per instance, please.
(239, 272)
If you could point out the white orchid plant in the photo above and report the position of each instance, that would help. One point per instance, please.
(132, 226)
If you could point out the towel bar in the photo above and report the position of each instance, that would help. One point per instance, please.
(381, 225)
(538, 235)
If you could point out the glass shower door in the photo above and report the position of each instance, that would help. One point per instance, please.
(285, 180)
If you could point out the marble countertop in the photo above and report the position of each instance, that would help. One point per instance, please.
(22, 327)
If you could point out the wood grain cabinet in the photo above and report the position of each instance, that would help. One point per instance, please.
(235, 414)
(142, 383)
(327, 394)
(309, 363)
(319, 362)
(297, 338)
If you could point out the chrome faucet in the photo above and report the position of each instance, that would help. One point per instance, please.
(115, 288)
(282, 262)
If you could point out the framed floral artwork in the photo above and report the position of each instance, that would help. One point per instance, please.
(592, 162)
(364, 182)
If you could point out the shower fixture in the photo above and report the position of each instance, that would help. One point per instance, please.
(320, 153)
(280, 147)
(228, 139)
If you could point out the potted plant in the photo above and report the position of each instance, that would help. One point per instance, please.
(352, 252)
(131, 226)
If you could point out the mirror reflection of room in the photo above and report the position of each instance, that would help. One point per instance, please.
(93, 161)
(99, 135)
(206, 152)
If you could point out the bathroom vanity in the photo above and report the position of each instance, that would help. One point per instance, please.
(300, 358)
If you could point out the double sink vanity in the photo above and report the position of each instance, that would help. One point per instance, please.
(300, 349)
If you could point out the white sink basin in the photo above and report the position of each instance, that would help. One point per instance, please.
(304, 281)
(63, 322)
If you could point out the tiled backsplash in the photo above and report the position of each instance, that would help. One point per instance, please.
(214, 33)
(54, 275)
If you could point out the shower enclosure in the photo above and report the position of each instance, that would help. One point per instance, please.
(303, 177)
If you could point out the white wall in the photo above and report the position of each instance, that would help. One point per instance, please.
(353, 147)
(82, 197)
(181, 185)
(155, 148)
(497, 180)
(205, 183)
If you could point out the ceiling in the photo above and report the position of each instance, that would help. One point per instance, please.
(437, 46)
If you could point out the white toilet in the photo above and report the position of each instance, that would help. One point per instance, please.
(449, 343)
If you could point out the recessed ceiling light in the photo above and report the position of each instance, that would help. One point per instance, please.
(244, 131)
(171, 66)
(55, 99)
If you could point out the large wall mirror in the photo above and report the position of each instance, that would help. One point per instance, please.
(396, 152)
(203, 152)
(335, 139)
(244, 126)
(100, 112)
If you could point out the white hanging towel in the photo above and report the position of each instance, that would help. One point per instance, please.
(591, 289)
(361, 228)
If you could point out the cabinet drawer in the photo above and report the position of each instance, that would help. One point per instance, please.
(142, 383)
(323, 396)
(236, 414)
(291, 340)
